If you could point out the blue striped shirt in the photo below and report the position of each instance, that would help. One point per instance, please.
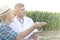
(6, 33)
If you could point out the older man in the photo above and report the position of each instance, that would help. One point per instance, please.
(6, 33)
(22, 22)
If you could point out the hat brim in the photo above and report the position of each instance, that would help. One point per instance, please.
(4, 13)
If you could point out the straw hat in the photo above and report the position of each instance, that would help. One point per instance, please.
(3, 10)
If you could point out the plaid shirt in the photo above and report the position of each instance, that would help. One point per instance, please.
(6, 33)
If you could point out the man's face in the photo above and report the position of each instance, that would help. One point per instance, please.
(8, 16)
(20, 11)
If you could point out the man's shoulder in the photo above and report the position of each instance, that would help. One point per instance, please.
(2, 24)
(15, 19)
(7, 31)
(28, 18)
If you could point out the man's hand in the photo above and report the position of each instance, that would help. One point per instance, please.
(39, 24)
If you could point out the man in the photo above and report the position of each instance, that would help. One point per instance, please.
(22, 22)
(6, 33)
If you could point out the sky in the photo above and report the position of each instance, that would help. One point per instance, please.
(41, 5)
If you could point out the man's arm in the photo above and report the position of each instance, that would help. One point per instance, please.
(33, 35)
(29, 30)
(25, 33)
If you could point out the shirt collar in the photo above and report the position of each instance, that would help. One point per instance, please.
(20, 20)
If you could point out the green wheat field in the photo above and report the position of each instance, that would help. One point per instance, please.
(52, 30)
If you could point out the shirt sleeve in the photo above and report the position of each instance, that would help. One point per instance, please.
(31, 22)
(10, 36)
(32, 33)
